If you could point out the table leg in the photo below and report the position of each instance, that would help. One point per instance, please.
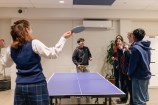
(109, 100)
(105, 103)
(51, 101)
(96, 101)
(56, 101)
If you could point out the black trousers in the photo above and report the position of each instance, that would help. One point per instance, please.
(124, 86)
(129, 83)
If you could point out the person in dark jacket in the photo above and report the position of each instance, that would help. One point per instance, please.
(129, 81)
(139, 67)
(81, 56)
(122, 57)
(115, 62)
(26, 52)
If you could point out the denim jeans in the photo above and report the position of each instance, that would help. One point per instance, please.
(140, 91)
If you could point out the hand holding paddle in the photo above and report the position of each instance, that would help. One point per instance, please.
(77, 29)
(67, 34)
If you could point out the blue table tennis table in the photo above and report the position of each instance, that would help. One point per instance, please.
(65, 85)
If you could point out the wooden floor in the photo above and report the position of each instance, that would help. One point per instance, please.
(7, 98)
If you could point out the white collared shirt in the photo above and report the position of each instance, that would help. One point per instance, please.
(39, 48)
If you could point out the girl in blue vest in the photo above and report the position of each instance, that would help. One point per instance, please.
(26, 52)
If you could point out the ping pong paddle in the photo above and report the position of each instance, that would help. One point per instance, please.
(77, 29)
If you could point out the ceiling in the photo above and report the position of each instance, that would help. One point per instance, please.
(118, 4)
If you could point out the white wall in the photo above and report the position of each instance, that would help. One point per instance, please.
(151, 27)
(4, 30)
(49, 24)
(125, 27)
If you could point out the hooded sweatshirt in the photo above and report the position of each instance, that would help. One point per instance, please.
(139, 64)
(81, 56)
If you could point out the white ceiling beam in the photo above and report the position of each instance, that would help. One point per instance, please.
(34, 13)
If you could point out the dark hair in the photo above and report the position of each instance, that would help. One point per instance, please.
(117, 40)
(139, 34)
(19, 33)
(80, 39)
(120, 37)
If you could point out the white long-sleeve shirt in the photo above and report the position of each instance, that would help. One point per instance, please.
(39, 48)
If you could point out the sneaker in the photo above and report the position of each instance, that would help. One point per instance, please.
(121, 102)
